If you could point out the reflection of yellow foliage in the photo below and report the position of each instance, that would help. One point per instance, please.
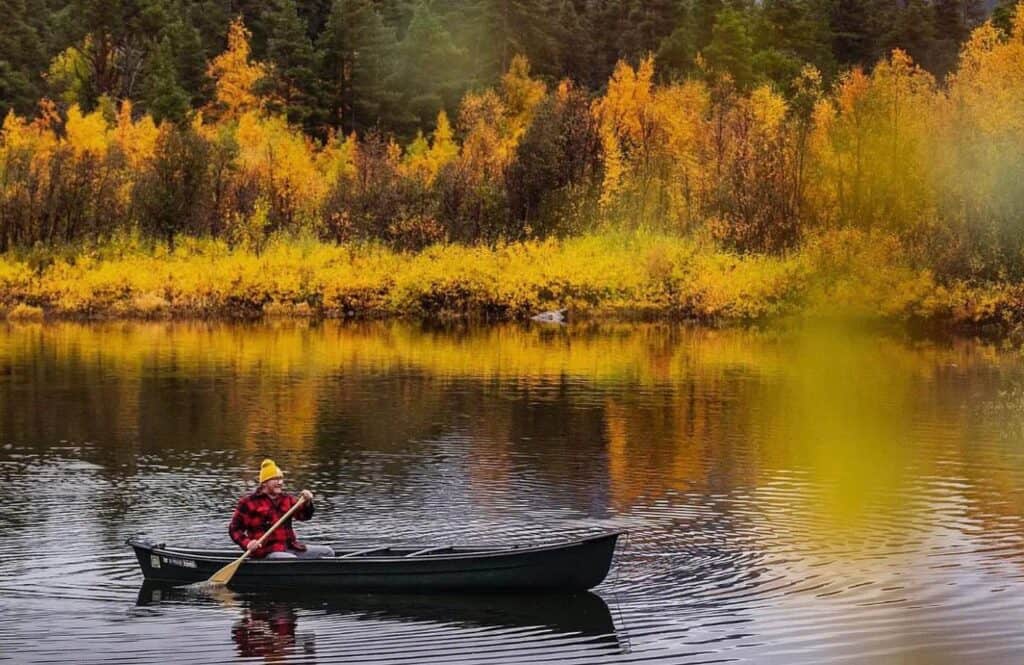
(706, 410)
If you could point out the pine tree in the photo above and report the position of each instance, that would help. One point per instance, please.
(522, 27)
(705, 14)
(210, 19)
(163, 96)
(427, 60)
(289, 50)
(953, 22)
(731, 50)
(116, 40)
(314, 14)
(21, 59)
(799, 31)
(574, 36)
(1002, 15)
(677, 53)
(647, 23)
(396, 15)
(858, 30)
(356, 66)
(190, 55)
(914, 32)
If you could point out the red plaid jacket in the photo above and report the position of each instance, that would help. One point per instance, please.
(257, 512)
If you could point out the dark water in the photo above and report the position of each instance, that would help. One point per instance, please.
(801, 496)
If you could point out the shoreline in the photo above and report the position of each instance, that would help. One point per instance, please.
(611, 277)
(916, 327)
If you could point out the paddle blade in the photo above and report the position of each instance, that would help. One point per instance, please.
(224, 575)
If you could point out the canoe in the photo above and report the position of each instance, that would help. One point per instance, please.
(575, 565)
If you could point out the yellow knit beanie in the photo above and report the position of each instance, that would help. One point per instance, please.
(269, 470)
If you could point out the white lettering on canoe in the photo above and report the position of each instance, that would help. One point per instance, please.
(180, 563)
(154, 560)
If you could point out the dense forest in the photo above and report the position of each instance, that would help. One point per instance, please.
(754, 128)
(353, 65)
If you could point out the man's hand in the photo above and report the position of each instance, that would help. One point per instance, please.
(306, 494)
(253, 544)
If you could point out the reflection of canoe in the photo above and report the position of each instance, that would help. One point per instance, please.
(582, 612)
(571, 566)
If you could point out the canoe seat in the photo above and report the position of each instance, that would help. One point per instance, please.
(369, 550)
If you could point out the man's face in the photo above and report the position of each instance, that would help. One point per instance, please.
(274, 486)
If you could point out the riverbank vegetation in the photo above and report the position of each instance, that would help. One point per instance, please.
(728, 174)
(613, 275)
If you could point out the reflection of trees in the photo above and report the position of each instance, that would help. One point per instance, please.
(692, 436)
(630, 412)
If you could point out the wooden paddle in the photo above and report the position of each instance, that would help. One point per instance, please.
(224, 575)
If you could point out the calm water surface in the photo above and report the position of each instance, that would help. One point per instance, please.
(804, 496)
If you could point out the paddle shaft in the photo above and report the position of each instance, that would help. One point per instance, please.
(224, 575)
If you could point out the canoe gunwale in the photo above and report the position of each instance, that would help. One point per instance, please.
(222, 556)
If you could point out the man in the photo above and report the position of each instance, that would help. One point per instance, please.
(256, 513)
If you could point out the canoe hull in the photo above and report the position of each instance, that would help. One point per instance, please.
(575, 566)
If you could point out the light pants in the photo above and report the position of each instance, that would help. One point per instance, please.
(312, 552)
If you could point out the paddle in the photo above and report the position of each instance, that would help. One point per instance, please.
(224, 575)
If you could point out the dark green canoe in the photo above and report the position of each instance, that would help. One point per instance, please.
(575, 565)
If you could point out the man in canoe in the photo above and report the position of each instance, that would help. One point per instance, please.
(257, 512)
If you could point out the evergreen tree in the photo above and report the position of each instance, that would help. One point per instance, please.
(677, 53)
(914, 32)
(647, 23)
(493, 32)
(163, 96)
(428, 58)
(314, 14)
(189, 54)
(731, 50)
(21, 59)
(953, 22)
(396, 15)
(858, 29)
(356, 66)
(293, 77)
(796, 32)
(115, 41)
(704, 15)
(577, 46)
(1002, 15)
(210, 19)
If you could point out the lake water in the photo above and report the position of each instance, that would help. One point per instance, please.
(813, 494)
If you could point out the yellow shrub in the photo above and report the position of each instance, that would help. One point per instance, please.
(23, 312)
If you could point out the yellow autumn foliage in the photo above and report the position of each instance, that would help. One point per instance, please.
(283, 160)
(86, 133)
(864, 196)
(235, 75)
(422, 161)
